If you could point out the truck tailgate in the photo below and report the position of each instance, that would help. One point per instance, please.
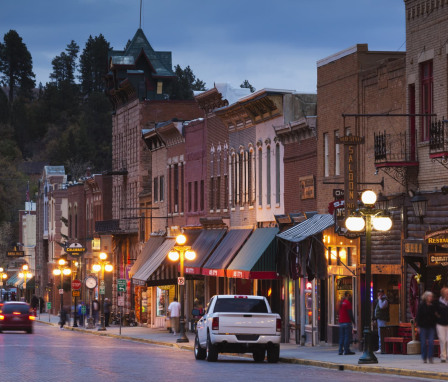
(243, 323)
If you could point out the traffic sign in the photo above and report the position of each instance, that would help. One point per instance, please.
(121, 285)
(48, 305)
(83, 309)
(76, 293)
(120, 301)
(102, 289)
(181, 281)
(61, 291)
(76, 284)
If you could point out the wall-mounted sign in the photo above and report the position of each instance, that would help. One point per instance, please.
(437, 242)
(15, 253)
(75, 249)
(307, 187)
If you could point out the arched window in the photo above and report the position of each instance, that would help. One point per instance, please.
(268, 175)
(260, 177)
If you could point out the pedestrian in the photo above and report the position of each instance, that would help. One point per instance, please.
(62, 318)
(426, 321)
(107, 305)
(381, 314)
(41, 304)
(442, 322)
(80, 313)
(95, 311)
(34, 304)
(174, 312)
(346, 320)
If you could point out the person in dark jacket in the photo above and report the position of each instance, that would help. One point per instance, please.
(426, 321)
(442, 323)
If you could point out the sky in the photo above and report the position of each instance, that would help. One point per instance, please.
(273, 44)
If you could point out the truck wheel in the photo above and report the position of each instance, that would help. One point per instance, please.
(199, 353)
(258, 355)
(212, 350)
(273, 353)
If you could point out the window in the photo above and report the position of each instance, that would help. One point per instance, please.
(156, 190)
(226, 192)
(426, 100)
(176, 188)
(260, 177)
(212, 193)
(277, 173)
(202, 195)
(196, 196)
(326, 156)
(268, 175)
(337, 164)
(241, 179)
(159, 87)
(190, 197)
(162, 188)
(218, 192)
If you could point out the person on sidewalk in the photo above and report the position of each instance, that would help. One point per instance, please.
(63, 318)
(345, 324)
(107, 305)
(442, 322)
(95, 311)
(174, 311)
(426, 321)
(381, 314)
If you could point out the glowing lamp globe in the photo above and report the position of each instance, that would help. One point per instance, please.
(96, 267)
(56, 272)
(190, 255)
(173, 255)
(181, 239)
(382, 223)
(61, 262)
(368, 198)
(103, 256)
(109, 268)
(355, 223)
(66, 271)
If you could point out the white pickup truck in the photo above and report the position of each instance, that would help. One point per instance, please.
(238, 324)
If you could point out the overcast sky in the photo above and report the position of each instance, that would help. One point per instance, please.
(273, 44)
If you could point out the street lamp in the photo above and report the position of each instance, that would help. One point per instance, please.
(369, 217)
(179, 253)
(3, 276)
(420, 205)
(100, 267)
(24, 275)
(62, 270)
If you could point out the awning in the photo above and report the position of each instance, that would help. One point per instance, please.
(13, 280)
(153, 262)
(225, 252)
(149, 248)
(203, 246)
(256, 259)
(309, 227)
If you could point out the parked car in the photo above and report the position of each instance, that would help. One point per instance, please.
(16, 315)
(238, 324)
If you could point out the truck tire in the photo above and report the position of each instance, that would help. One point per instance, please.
(259, 355)
(199, 353)
(273, 353)
(212, 350)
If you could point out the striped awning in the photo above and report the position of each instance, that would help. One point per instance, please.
(13, 280)
(309, 227)
(149, 248)
(256, 259)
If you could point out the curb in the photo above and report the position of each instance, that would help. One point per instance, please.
(298, 361)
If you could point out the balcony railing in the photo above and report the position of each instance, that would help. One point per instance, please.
(391, 148)
(438, 138)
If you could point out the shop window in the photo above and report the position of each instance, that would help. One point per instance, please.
(343, 284)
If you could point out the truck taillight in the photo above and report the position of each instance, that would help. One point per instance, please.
(215, 323)
(279, 325)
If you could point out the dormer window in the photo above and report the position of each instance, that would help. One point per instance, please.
(159, 87)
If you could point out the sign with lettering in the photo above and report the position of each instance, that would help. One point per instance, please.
(437, 242)
(121, 285)
(15, 253)
(307, 187)
(75, 249)
(438, 259)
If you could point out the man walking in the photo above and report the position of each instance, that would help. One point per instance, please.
(174, 311)
(381, 314)
(346, 320)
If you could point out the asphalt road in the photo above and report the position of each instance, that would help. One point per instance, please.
(51, 354)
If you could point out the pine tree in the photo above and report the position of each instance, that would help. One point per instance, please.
(16, 66)
(246, 85)
(185, 83)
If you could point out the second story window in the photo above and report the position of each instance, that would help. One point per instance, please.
(155, 191)
(337, 163)
(426, 98)
(326, 156)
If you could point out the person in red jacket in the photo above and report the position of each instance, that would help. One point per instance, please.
(345, 324)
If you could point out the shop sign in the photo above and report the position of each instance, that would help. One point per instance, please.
(438, 259)
(75, 249)
(15, 253)
(437, 242)
(307, 187)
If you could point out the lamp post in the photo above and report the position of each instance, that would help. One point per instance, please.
(24, 275)
(100, 267)
(3, 276)
(369, 218)
(179, 253)
(62, 270)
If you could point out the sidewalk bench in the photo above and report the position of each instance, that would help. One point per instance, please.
(397, 344)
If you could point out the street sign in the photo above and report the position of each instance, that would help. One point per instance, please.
(76, 293)
(181, 281)
(48, 305)
(121, 285)
(120, 301)
(83, 309)
(76, 284)
(102, 289)
(75, 249)
(61, 291)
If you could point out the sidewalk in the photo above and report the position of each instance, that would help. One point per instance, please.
(319, 356)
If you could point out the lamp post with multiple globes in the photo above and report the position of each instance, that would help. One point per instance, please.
(62, 270)
(25, 274)
(369, 218)
(100, 267)
(181, 252)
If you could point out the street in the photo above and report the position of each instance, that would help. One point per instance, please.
(51, 354)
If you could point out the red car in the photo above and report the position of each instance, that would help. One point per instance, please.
(16, 315)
